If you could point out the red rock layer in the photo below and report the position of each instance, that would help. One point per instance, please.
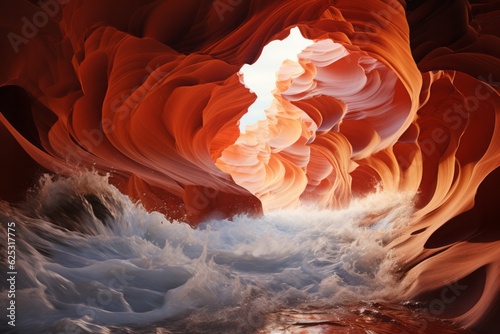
(149, 91)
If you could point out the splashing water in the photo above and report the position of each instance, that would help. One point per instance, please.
(92, 261)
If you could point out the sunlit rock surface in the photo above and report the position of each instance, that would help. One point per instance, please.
(393, 95)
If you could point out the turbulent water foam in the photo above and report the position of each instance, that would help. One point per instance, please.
(90, 260)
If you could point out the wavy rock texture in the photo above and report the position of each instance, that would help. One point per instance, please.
(393, 95)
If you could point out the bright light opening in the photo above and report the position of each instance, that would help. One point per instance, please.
(260, 77)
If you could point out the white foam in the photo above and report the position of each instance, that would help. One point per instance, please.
(141, 269)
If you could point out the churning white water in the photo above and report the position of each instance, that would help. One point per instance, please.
(118, 268)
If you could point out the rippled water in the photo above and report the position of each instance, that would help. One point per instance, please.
(91, 261)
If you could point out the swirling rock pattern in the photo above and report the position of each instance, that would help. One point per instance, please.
(399, 95)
